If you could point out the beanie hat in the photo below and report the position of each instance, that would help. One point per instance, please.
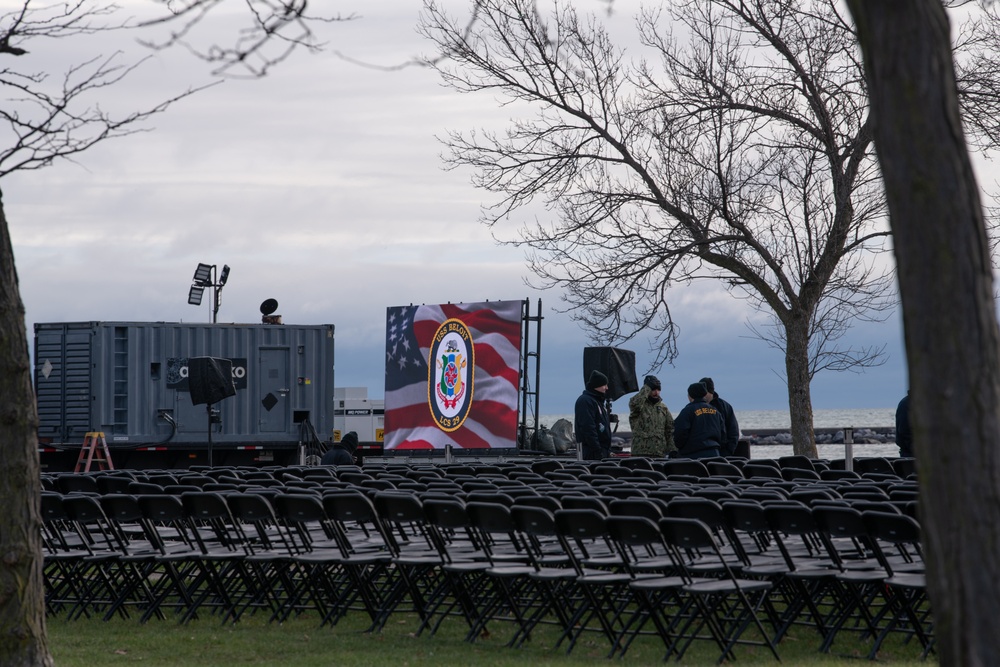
(697, 391)
(708, 384)
(597, 379)
(350, 441)
(652, 382)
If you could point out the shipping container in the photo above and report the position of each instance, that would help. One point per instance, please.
(129, 380)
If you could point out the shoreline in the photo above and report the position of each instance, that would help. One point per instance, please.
(824, 436)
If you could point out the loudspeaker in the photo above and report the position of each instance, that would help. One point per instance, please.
(210, 379)
(617, 364)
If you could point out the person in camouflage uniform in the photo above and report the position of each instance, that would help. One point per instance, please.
(650, 420)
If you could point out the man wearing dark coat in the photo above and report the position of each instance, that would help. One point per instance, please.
(591, 422)
(342, 453)
(904, 434)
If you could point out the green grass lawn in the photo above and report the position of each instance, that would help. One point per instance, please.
(302, 643)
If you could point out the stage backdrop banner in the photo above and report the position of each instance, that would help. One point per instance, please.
(451, 375)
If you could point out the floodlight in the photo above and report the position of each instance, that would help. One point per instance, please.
(224, 276)
(194, 296)
(203, 274)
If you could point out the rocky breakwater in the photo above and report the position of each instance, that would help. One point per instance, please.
(824, 436)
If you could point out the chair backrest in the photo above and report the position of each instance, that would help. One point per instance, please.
(74, 482)
(583, 534)
(535, 521)
(835, 474)
(751, 470)
(209, 508)
(904, 467)
(92, 524)
(546, 465)
(845, 533)
(122, 507)
(796, 461)
(798, 474)
(356, 523)
(627, 490)
(636, 463)
(875, 464)
(684, 536)
(113, 484)
(724, 469)
(300, 512)
(496, 528)
(688, 467)
(447, 514)
(646, 507)
(197, 480)
(792, 519)
(629, 533)
(581, 524)
(550, 503)
(705, 510)
(898, 530)
(165, 521)
(595, 503)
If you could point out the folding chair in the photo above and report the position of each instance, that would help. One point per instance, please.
(599, 577)
(906, 585)
(367, 555)
(654, 583)
(463, 566)
(316, 565)
(414, 553)
(810, 570)
(220, 545)
(728, 605)
(509, 569)
(267, 558)
(861, 576)
(179, 568)
(554, 592)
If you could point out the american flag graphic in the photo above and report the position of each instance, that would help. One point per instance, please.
(492, 420)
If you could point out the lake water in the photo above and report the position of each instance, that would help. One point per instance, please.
(780, 419)
(859, 418)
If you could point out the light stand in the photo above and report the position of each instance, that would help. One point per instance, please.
(204, 277)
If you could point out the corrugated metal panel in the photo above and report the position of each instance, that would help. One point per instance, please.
(119, 377)
(62, 380)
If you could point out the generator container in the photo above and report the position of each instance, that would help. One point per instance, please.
(129, 380)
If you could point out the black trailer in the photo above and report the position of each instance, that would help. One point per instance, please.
(129, 380)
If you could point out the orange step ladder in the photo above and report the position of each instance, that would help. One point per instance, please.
(94, 451)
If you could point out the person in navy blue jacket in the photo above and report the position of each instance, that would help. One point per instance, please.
(732, 437)
(699, 430)
(591, 423)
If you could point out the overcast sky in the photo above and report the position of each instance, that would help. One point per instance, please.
(322, 186)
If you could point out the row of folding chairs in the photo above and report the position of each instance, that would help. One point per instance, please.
(789, 468)
(435, 553)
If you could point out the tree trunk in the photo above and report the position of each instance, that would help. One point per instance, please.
(949, 316)
(22, 602)
(799, 396)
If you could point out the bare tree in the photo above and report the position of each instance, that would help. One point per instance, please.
(742, 156)
(271, 30)
(949, 313)
(45, 117)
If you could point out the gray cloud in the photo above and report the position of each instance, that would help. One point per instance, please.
(321, 186)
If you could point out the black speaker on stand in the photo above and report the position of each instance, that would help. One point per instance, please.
(618, 365)
(210, 380)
